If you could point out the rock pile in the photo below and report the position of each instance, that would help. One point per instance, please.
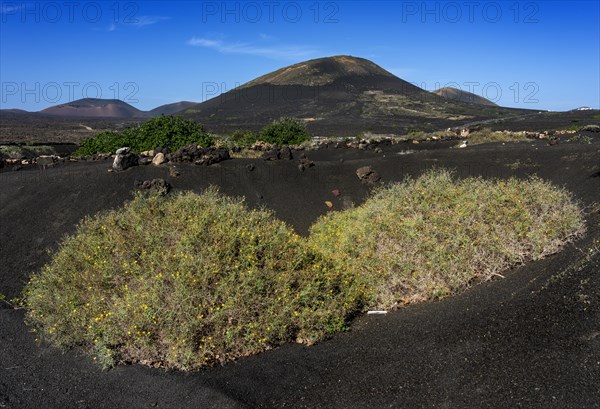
(276, 153)
(124, 159)
(191, 153)
(199, 155)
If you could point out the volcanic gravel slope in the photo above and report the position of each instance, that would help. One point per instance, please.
(529, 340)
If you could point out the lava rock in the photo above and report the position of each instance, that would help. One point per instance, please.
(272, 154)
(212, 156)
(158, 159)
(305, 163)
(188, 153)
(124, 160)
(285, 153)
(46, 161)
(367, 175)
(160, 186)
(276, 153)
(198, 155)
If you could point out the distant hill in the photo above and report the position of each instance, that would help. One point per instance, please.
(340, 95)
(169, 109)
(111, 108)
(94, 107)
(456, 94)
(13, 111)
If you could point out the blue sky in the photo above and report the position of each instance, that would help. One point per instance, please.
(530, 54)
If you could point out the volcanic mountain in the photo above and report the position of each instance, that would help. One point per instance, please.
(340, 95)
(456, 94)
(94, 107)
(169, 109)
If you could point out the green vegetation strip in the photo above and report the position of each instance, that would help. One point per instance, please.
(193, 280)
(175, 132)
(160, 132)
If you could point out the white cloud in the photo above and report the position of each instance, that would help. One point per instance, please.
(203, 42)
(142, 21)
(112, 27)
(282, 51)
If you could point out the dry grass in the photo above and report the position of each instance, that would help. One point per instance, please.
(246, 153)
(432, 237)
(486, 135)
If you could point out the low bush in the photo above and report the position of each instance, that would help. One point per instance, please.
(243, 138)
(417, 134)
(434, 236)
(162, 131)
(185, 282)
(285, 131)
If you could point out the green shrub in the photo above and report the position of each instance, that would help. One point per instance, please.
(185, 282)
(416, 134)
(104, 142)
(285, 131)
(431, 237)
(242, 137)
(162, 131)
